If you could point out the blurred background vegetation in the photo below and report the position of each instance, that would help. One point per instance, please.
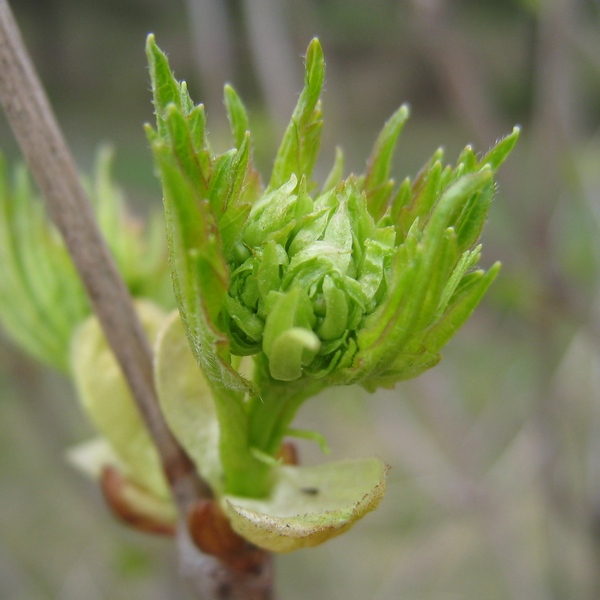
(495, 487)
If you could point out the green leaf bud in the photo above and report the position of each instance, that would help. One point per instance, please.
(356, 283)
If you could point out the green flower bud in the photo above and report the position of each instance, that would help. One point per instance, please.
(356, 283)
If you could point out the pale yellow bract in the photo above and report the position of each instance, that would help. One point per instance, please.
(306, 505)
(309, 505)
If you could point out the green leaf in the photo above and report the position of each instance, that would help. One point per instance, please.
(272, 217)
(396, 311)
(193, 403)
(424, 196)
(246, 320)
(444, 261)
(450, 203)
(41, 297)
(400, 202)
(377, 184)
(392, 324)
(197, 124)
(288, 339)
(467, 260)
(469, 224)
(165, 88)
(300, 146)
(372, 268)
(192, 238)
(496, 156)
(268, 276)
(309, 505)
(460, 309)
(200, 273)
(221, 181)
(238, 118)
(196, 170)
(468, 159)
(186, 400)
(406, 366)
(335, 321)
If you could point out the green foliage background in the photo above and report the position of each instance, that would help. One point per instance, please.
(495, 486)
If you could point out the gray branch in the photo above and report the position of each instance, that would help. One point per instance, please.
(33, 122)
(41, 141)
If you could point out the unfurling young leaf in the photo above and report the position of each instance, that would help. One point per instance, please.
(281, 291)
(42, 300)
(284, 292)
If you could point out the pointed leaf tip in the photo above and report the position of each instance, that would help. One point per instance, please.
(500, 151)
(314, 52)
(236, 113)
(152, 50)
(301, 141)
(377, 184)
(165, 89)
(315, 69)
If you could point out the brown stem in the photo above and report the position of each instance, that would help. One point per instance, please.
(211, 579)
